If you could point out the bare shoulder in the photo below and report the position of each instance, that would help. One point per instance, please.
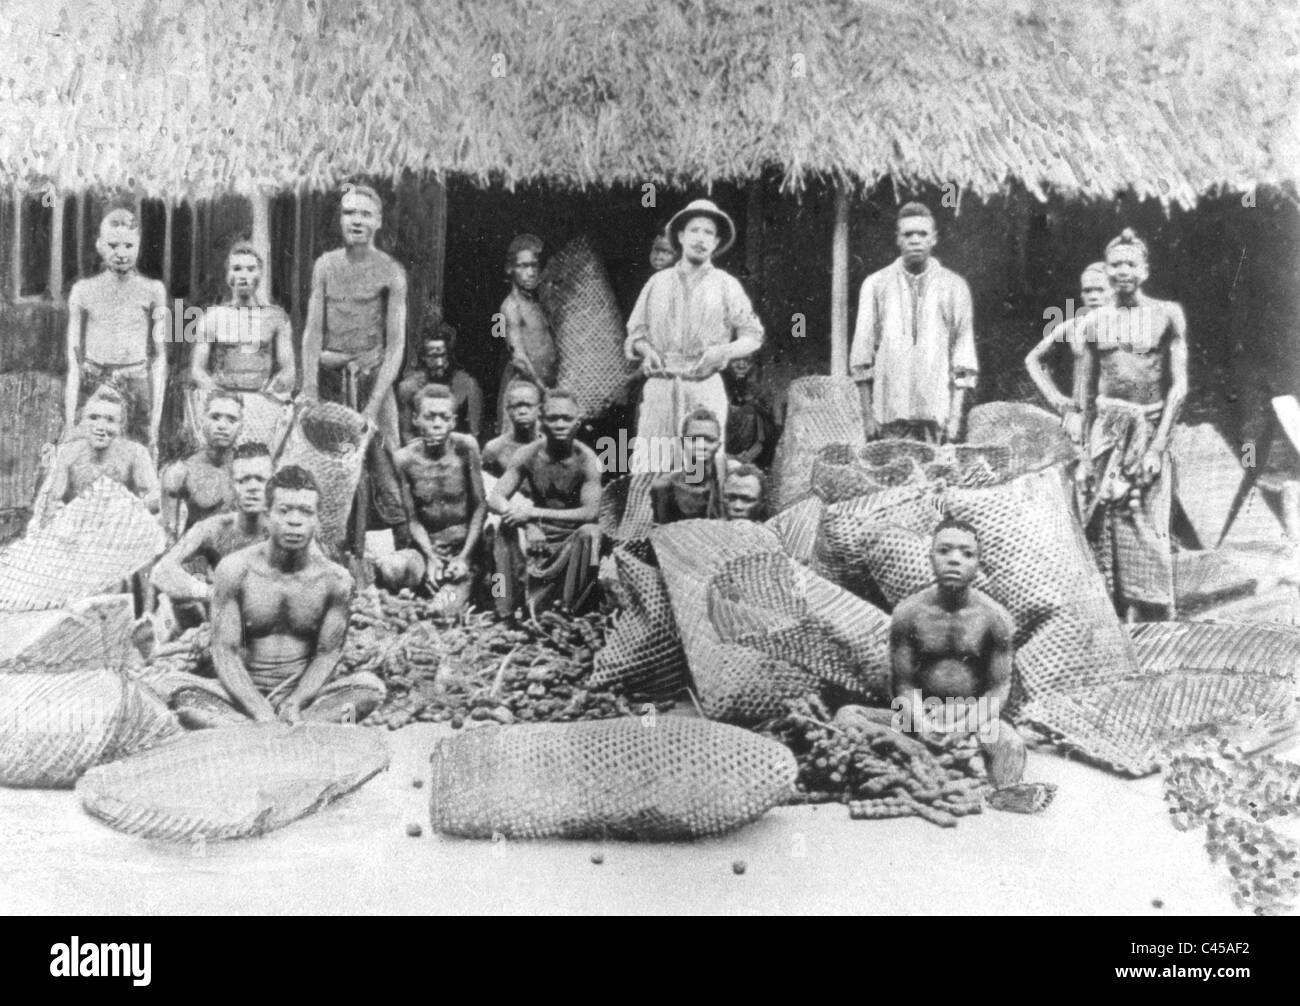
(464, 445)
(230, 571)
(527, 455)
(338, 579)
(174, 476)
(906, 610)
(997, 615)
(403, 456)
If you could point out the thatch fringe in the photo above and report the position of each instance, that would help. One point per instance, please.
(179, 98)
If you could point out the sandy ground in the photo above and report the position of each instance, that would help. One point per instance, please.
(1104, 846)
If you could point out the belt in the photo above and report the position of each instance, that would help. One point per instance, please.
(142, 365)
(678, 377)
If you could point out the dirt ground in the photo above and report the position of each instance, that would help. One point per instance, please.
(1104, 846)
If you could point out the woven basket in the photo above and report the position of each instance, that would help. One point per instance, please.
(589, 330)
(233, 782)
(659, 778)
(626, 510)
(330, 440)
(819, 411)
(796, 527)
(97, 540)
(1033, 436)
(53, 727)
(642, 656)
(753, 646)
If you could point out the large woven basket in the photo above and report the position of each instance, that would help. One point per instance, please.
(330, 440)
(757, 628)
(1033, 436)
(232, 782)
(53, 727)
(94, 542)
(819, 411)
(588, 326)
(642, 656)
(659, 778)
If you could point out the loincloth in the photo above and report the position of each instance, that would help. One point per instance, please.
(1131, 534)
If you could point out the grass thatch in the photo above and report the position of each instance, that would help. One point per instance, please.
(193, 97)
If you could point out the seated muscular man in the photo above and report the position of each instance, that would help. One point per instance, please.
(279, 616)
(210, 540)
(950, 649)
(553, 525)
(443, 485)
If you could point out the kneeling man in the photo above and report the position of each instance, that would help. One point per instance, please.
(953, 642)
(279, 615)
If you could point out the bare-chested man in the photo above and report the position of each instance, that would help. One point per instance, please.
(440, 472)
(210, 540)
(523, 406)
(117, 329)
(1094, 292)
(1130, 382)
(694, 491)
(555, 519)
(247, 342)
(533, 354)
(950, 653)
(103, 451)
(201, 485)
(279, 616)
(355, 339)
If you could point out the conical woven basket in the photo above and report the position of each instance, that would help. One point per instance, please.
(819, 411)
(329, 440)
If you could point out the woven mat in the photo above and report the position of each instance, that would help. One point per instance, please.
(97, 540)
(53, 727)
(330, 440)
(657, 778)
(841, 472)
(232, 782)
(1202, 578)
(744, 668)
(589, 329)
(819, 411)
(86, 635)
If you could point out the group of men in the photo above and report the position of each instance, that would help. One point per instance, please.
(529, 500)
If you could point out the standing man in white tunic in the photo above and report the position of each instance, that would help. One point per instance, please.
(691, 320)
(913, 354)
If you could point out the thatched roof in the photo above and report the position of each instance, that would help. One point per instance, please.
(192, 97)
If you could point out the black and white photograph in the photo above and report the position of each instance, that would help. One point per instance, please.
(651, 457)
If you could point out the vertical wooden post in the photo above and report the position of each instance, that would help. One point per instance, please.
(196, 251)
(16, 242)
(840, 285)
(261, 201)
(169, 269)
(301, 265)
(56, 248)
(83, 210)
